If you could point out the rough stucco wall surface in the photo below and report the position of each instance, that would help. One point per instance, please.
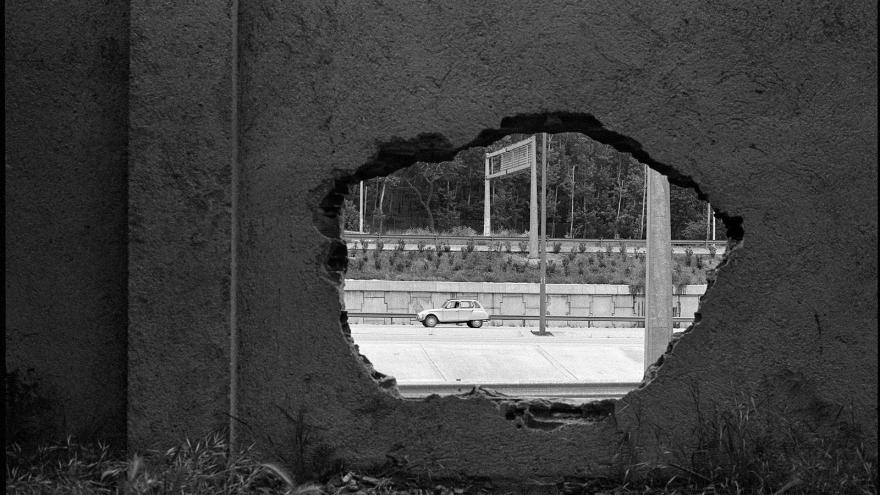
(770, 109)
(180, 225)
(66, 69)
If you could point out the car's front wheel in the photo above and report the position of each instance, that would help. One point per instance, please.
(475, 323)
(430, 321)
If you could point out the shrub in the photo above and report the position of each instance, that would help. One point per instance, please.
(420, 246)
(377, 263)
(712, 250)
(688, 256)
(523, 246)
(582, 247)
(462, 232)
(507, 246)
(608, 249)
(380, 245)
(470, 246)
(551, 268)
(557, 246)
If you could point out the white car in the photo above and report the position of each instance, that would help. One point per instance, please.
(455, 311)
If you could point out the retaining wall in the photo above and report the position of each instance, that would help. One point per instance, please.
(382, 296)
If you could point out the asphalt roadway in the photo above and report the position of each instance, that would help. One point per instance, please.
(434, 360)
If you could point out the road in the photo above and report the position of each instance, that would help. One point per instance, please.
(444, 357)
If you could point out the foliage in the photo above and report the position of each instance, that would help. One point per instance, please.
(475, 266)
(593, 191)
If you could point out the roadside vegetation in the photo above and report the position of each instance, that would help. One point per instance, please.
(509, 262)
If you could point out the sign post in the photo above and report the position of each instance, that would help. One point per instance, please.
(361, 209)
(512, 159)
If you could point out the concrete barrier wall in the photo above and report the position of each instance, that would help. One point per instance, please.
(383, 296)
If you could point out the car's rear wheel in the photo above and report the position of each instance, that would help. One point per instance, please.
(475, 323)
(430, 321)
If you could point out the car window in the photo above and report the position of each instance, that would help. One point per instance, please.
(466, 304)
(450, 305)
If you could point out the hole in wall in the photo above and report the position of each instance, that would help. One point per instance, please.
(413, 230)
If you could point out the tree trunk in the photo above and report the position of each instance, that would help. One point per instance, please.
(555, 209)
(571, 219)
(381, 214)
(619, 201)
(425, 201)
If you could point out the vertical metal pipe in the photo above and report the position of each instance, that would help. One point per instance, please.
(542, 305)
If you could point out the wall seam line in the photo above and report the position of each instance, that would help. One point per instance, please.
(234, 233)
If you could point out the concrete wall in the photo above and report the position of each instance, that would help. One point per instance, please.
(769, 109)
(66, 130)
(247, 122)
(410, 297)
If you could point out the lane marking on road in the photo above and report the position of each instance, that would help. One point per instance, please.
(433, 364)
(554, 362)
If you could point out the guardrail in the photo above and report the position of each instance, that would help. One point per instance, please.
(635, 319)
(485, 240)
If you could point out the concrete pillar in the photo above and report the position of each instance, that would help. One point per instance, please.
(658, 283)
(533, 212)
(487, 203)
(183, 214)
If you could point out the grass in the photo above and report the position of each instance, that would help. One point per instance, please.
(735, 454)
(502, 266)
(193, 467)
